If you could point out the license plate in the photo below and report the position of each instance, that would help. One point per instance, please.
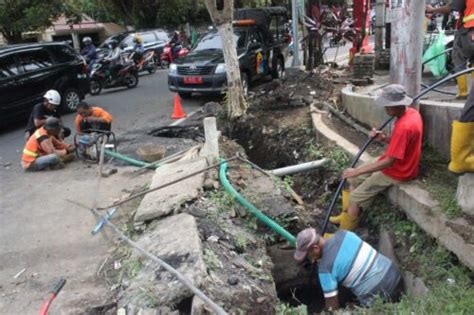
(193, 80)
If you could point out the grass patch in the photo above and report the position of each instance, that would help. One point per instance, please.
(286, 309)
(439, 182)
(223, 200)
(338, 159)
(450, 283)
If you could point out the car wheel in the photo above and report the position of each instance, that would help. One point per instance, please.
(245, 83)
(279, 70)
(70, 99)
(95, 87)
(184, 95)
(131, 80)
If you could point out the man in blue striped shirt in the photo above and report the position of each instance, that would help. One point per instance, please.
(345, 259)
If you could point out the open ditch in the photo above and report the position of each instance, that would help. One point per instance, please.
(277, 137)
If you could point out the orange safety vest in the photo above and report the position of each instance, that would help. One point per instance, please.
(468, 14)
(32, 148)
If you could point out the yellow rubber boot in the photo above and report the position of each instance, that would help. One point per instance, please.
(462, 86)
(349, 222)
(345, 205)
(327, 236)
(462, 147)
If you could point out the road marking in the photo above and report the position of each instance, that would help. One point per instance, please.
(177, 122)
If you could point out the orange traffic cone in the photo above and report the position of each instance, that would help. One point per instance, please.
(178, 112)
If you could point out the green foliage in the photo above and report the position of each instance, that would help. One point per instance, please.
(337, 157)
(223, 200)
(17, 17)
(439, 182)
(132, 267)
(284, 183)
(212, 260)
(442, 299)
(285, 309)
(241, 241)
(450, 283)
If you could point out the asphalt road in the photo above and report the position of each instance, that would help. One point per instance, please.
(50, 237)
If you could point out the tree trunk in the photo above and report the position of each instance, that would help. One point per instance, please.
(235, 99)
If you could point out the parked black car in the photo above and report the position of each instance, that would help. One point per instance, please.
(152, 39)
(262, 47)
(27, 71)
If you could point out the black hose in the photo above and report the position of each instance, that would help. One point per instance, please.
(367, 143)
(434, 57)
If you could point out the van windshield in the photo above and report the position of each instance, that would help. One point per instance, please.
(212, 41)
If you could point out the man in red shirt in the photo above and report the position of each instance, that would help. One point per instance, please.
(398, 164)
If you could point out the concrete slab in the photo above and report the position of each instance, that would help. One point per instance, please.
(175, 240)
(162, 202)
(455, 235)
(465, 193)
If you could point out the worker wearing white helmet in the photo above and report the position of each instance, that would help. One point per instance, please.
(48, 108)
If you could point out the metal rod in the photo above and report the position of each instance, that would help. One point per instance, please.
(165, 159)
(184, 280)
(167, 184)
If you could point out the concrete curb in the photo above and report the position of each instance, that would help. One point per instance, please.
(456, 235)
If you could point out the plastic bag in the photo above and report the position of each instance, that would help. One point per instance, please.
(438, 64)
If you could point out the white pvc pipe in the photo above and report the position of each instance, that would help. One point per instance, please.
(288, 170)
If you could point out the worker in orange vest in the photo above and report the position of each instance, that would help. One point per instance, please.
(462, 144)
(91, 118)
(44, 150)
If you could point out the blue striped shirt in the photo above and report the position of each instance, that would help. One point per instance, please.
(351, 262)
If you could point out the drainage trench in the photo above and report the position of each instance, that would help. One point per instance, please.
(296, 284)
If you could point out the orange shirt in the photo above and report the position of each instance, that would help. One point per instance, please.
(96, 112)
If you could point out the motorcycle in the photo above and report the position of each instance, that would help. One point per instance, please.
(101, 78)
(167, 56)
(146, 63)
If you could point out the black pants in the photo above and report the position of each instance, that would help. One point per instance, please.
(87, 127)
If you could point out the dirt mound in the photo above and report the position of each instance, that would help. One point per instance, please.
(297, 89)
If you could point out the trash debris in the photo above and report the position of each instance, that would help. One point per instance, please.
(117, 265)
(19, 273)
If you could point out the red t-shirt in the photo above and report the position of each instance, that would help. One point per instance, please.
(405, 146)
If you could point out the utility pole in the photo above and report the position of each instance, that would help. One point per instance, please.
(407, 45)
(294, 21)
(379, 25)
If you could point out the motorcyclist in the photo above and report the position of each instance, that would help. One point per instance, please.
(175, 44)
(89, 51)
(114, 58)
(138, 48)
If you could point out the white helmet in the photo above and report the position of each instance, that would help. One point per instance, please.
(86, 40)
(53, 97)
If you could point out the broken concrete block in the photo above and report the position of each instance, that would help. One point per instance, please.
(414, 286)
(151, 152)
(465, 193)
(386, 246)
(109, 171)
(163, 201)
(176, 241)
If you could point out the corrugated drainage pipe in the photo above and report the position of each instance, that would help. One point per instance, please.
(127, 159)
(252, 209)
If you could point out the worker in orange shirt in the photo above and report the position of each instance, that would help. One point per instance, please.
(91, 119)
(44, 150)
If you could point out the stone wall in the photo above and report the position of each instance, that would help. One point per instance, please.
(437, 117)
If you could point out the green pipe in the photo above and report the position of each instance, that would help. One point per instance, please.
(244, 202)
(126, 159)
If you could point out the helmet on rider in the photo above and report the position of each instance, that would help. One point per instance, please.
(86, 40)
(113, 44)
(137, 38)
(53, 97)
